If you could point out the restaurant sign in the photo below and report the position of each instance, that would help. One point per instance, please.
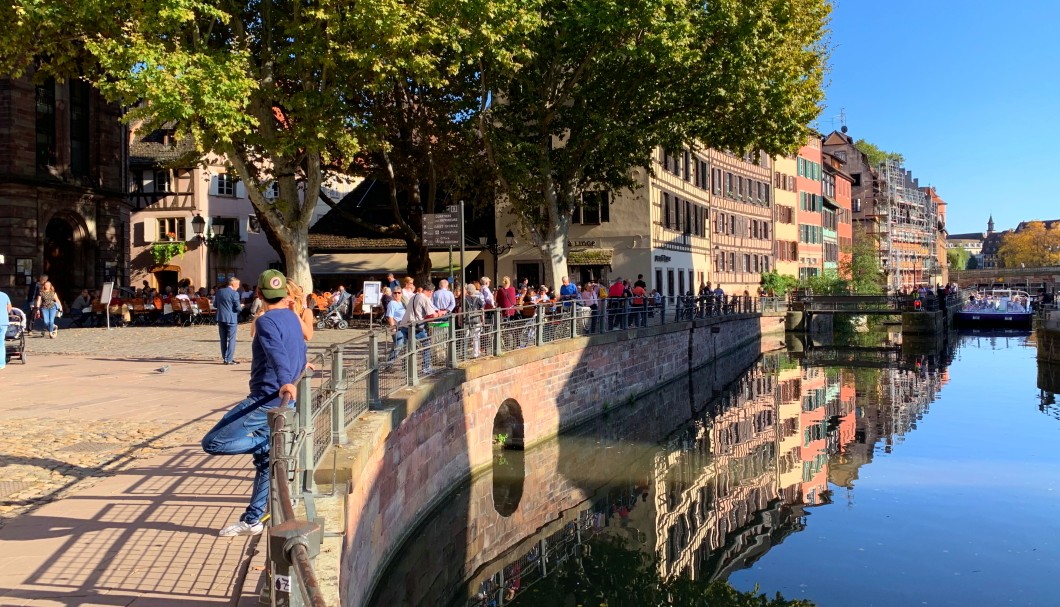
(581, 243)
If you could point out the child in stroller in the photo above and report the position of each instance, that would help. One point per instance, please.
(334, 317)
(15, 337)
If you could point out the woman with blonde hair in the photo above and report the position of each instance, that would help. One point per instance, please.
(48, 307)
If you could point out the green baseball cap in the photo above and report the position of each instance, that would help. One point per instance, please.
(273, 284)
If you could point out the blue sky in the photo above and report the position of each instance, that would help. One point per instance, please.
(968, 92)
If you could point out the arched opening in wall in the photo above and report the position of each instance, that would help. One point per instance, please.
(508, 425)
(509, 463)
(63, 256)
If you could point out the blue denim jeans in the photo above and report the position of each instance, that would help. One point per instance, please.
(245, 430)
(48, 315)
(228, 340)
(400, 337)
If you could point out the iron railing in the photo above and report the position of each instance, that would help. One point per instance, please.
(345, 380)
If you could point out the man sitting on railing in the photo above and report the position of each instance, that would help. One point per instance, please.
(279, 359)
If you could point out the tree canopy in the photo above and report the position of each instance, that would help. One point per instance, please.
(1033, 246)
(286, 92)
(957, 258)
(604, 84)
(563, 97)
(875, 155)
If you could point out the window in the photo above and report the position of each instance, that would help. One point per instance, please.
(857, 205)
(230, 225)
(273, 191)
(687, 165)
(670, 282)
(162, 181)
(658, 280)
(840, 154)
(226, 185)
(717, 182)
(857, 179)
(593, 209)
(171, 228)
(45, 123)
(79, 128)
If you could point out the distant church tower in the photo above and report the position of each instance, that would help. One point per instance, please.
(990, 224)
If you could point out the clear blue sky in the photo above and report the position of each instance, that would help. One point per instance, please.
(968, 92)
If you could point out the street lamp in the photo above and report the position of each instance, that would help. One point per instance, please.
(497, 249)
(217, 229)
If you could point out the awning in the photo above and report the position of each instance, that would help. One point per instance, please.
(590, 257)
(323, 264)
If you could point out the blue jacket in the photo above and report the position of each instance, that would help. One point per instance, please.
(227, 304)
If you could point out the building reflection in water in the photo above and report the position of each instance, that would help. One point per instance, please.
(710, 496)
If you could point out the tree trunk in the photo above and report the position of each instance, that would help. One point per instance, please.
(419, 263)
(554, 256)
(296, 251)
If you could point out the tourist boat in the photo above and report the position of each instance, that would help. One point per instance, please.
(997, 308)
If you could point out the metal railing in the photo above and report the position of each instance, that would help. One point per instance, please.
(345, 380)
(293, 543)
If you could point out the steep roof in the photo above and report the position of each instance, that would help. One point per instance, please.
(161, 148)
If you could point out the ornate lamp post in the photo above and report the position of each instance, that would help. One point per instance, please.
(497, 249)
(217, 229)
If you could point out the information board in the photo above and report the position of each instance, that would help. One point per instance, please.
(441, 229)
(373, 292)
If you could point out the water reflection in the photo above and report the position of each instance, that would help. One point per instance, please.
(707, 473)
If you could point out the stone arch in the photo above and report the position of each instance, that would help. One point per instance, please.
(508, 422)
(67, 253)
(509, 464)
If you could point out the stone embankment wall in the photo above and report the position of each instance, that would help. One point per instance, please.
(1048, 339)
(523, 497)
(443, 431)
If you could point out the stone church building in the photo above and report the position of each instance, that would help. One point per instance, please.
(63, 208)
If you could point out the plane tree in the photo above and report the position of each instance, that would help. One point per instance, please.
(606, 83)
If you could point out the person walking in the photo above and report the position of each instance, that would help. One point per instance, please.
(31, 297)
(279, 359)
(5, 311)
(49, 308)
(227, 303)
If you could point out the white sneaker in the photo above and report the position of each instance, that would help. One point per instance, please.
(242, 528)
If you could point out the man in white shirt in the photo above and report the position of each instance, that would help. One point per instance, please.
(420, 309)
(443, 298)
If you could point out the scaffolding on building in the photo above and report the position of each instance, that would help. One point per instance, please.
(908, 217)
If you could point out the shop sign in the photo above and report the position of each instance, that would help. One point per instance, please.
(581, 243)
(662, 258)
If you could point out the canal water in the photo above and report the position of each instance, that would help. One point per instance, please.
(870, 473)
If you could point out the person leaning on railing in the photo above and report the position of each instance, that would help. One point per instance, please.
(279, 359)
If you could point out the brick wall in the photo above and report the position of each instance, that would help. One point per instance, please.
(447, 434)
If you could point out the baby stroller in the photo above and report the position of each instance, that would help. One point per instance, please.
(15, 337)
(334, 317)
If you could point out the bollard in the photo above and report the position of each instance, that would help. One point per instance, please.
(338, 401)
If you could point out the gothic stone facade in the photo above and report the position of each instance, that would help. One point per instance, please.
(62, 178)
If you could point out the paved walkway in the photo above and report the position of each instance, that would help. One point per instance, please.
(105, 495)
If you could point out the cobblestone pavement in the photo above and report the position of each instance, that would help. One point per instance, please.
(92, 431)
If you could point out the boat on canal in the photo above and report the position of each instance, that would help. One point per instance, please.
(997, 308)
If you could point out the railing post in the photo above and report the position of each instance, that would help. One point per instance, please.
(373, 370)
(573, 320)
(662, 310)
(625, 312)
(414, 357)
(338, 403)
(306, 463)
(451, 341)
(498, 342)
(539, 324)
(603, 306)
